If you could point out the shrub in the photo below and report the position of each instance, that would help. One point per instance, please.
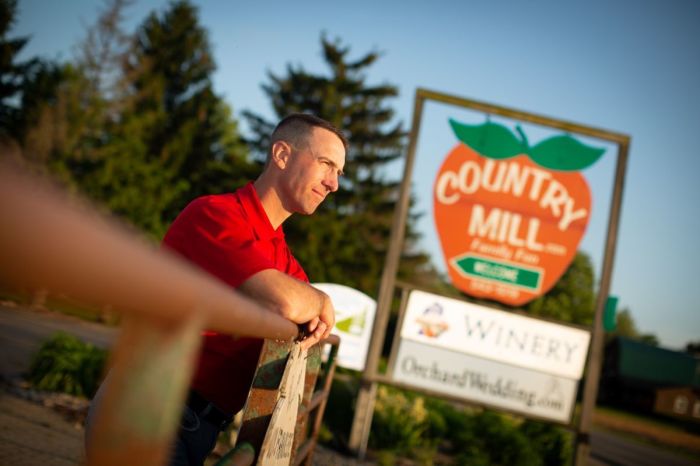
(491, 439)
(409, 425)
(399, 420)
(444, 420)
(66, 364)
(551, 442)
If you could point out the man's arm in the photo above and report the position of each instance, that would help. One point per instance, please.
(293, 299)
(203, 233)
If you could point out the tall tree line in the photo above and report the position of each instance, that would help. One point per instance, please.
(12, 71)
(133, 122)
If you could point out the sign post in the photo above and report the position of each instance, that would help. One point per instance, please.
(359, 433)
(595, 361)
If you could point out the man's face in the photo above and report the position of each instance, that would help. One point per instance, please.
(312, 171)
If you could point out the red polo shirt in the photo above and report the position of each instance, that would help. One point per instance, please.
(230, 236)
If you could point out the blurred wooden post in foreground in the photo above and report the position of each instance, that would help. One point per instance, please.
(264, 399)
(49, 242)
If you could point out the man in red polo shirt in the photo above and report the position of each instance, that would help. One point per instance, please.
(238, 238)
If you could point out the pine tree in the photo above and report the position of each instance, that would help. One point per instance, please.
(12, 72)
(133, 122)
(66, 107)
(71, 109)
(187, 129)
(346, 240)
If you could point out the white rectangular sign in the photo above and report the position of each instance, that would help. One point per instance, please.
(488, 382)
(354, 318)
(497, 335)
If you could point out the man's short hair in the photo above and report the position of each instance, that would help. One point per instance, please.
(295, 129)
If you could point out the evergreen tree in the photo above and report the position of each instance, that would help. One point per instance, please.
(346, 240)
(40, 88)
(12, 72)
(188, 132)
(625, 326)
(70, 109)
(133, 122)
(693, 347)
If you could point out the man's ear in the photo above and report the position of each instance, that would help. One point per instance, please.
(281, 152)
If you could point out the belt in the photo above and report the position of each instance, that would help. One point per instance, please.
(208, 410)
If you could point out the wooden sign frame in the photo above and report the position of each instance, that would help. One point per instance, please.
(365, 403)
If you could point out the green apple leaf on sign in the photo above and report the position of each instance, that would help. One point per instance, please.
(489, 139)
(494, 141)
(564, 153)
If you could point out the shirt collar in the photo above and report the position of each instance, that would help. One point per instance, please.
(256, 213)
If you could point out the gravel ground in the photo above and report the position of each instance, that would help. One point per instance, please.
(33, 434)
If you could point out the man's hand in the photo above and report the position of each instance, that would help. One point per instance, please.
(295, 300)
(320, 327)
(313, 333)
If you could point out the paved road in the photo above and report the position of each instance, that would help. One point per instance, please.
(23, 331)
(614, 450)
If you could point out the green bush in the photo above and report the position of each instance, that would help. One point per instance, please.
(491, 439)
(409, 425)
(400, 421)
(475, 437)
(552, 443)
(66, 364)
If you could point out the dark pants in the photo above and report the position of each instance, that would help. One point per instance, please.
(196, 438)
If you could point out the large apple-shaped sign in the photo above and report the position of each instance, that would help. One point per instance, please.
(510, 216)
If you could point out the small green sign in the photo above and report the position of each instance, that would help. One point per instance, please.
(609, 317)
(498, 271)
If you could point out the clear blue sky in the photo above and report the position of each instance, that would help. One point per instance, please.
(630, 67)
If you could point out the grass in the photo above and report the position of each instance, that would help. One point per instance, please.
(657, 422)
